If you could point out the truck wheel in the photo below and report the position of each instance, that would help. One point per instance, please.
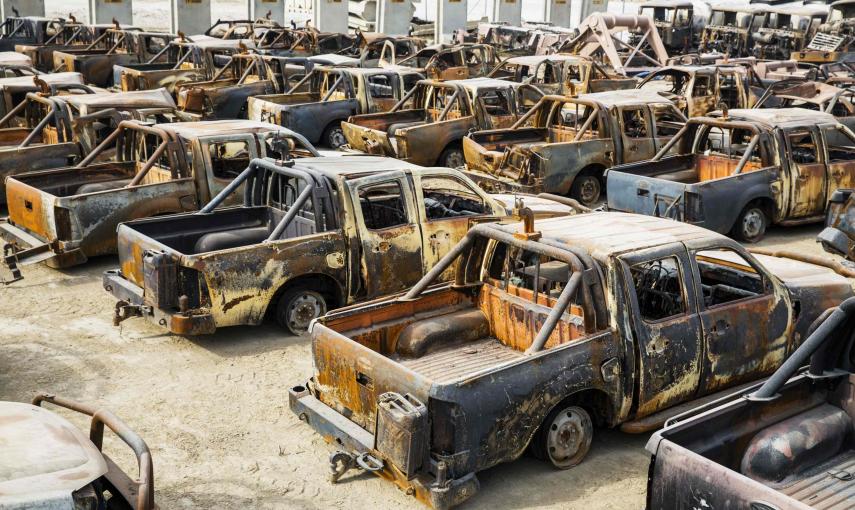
(586, 189)
(751, 224)
(452, 157)
(334, 136)
(565, 436)
(298, 307)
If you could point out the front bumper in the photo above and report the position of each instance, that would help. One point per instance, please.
(336, 429)
(132, 304)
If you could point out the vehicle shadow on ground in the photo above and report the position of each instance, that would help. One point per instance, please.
(248, 340)
(615, 459)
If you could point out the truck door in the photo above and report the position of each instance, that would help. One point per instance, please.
(807, 173)
(667, 121)
(665, 326)
(636, 134)
(390, 240)
(381, 92)
(703, 95)
(744, 321)
(224, 158)
(840, 155)
(446, 204)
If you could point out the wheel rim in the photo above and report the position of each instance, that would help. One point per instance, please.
(454, 159)
(752, 223)
(337, 138)
(569, 437)
(590, 190)
(303, 309)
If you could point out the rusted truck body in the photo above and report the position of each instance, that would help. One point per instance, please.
(448, 61)
(65, 216)
(787, 443)
(52, 464)
(787, 29)
(698, 90)
(603, 318)
(730, 29)
(563, 75)
(69, 35)
(674, 20)
(367, 227)
(317, 105)
(181, 61)
(564, 145)
(114, 47)
(838, 236)
(742, 173)
(27, 30)
(225, 95)
(811, 95)
(374, 49)
(427, 126)
(59, 130)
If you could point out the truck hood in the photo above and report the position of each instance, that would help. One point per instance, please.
(43, 458)
(815, 288)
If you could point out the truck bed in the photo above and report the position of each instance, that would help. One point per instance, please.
(71, 181)
(454, 363)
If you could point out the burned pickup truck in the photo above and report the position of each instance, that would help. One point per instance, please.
(56, 131)
(316, 105)
(787, 443)
(698, 90)
(742, 172)
(427, 126)
(603, 318)
(312, 235)
(50, 463)
(64, 216)
(564, 145)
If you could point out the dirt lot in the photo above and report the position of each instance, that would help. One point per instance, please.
(214, 410)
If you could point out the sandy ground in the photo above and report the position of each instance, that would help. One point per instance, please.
(214, 410)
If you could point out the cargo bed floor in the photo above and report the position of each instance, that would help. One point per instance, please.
(829, 486)
(451, 364)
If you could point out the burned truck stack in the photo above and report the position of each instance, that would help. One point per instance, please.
(493, 245)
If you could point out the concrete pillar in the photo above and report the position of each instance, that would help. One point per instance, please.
(260, 8)
(450, 16)
(330, 15)
(105, 11)
(191, 17)
(507, 11)
(558, 13)
(24, 7)
(394, 16)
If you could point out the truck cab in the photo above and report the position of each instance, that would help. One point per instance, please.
(730, 28)
(674, 20)
(548, 328)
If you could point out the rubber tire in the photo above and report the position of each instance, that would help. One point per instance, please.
(333, 132)
(576, 189)
(447, 156)
(739, 233)
(540, 447)
(288, 297)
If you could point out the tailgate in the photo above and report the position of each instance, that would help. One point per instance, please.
(370, 141)
(351, 376)
(37, 157)
(652, 196)
(132, 244)
(31, 209)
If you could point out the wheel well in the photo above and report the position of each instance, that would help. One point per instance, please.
(596, 402)
(765, 203)
(594, 169)
(319, 282)
(332, 124)
(454, 144)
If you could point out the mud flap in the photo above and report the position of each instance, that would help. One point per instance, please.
(21, 249)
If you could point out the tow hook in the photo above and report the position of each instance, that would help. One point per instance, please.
(125, 310)
(10, 260)
(342, 462)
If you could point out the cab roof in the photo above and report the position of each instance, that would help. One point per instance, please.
(158, 98)
(531, 60)
(475, 84)
(219, 127)
(351, 166)
(780, 117)
(52, 78)
(625, 98)
(604, 234)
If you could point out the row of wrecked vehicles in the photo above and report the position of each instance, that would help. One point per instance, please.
(461, 317)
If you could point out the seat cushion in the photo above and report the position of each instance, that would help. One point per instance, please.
(230, 239)
(435, 333)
